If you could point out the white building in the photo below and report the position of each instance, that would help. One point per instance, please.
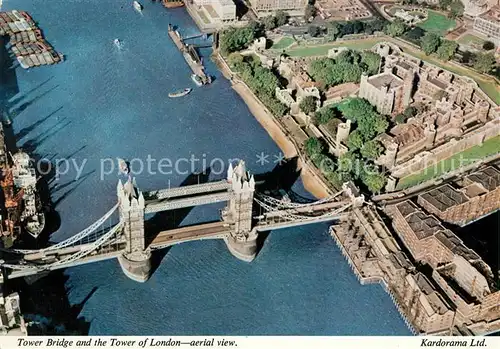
(488, 24)
(218, 10)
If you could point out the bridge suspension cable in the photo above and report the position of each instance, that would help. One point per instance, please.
(74, 257)
(288, 214)
(75, 238)
(283, 204)
(92, 247)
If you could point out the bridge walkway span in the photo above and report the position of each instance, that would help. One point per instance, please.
(154, 206)
(187, 190)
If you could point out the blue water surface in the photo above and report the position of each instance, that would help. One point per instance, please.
(106, 103)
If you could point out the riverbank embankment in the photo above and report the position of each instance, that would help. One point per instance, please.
(311, 180)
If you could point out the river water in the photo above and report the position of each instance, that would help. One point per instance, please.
(106, 103)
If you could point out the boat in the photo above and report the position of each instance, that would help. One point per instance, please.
(172, 3)
(35, 224)
(137, 5)
(197, 80)
(22, 62)
(24, 177)
(117, 43)
(6, 119)
(179, 93)
(123, 166)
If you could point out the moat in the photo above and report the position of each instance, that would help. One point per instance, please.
(103, 103)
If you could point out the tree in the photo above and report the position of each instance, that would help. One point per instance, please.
(257, 28)
(324, 115)
(374, 181)
(333, 30)
(456, 9)
(468, 57)
(269, 22)
(447, 49)
(313, 147)
(484, 62)
(443, 4)
(356, 108)
(395, 28)
(308, 104)
(275, 106)
(410, 112)
(372, 61)
(235, 39)
(376, 25)
(488, 45)
(281, 18)
(372, 124)
(400, 119)
(372, 149)
(415, 34)
(313, 30)
(358, 27)
(355, 141)
(309, 12)
(429, 43)
(350, 72)
(235, 60)
(348, 163)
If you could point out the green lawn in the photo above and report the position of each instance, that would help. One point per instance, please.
(322, 50)
(471, 40)
(283, 43)
(437, 23)
(468, 156)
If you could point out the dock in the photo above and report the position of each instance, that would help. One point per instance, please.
(26, 40)
(190, 55)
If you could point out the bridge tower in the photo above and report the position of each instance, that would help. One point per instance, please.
(135, 261)
(242, 242)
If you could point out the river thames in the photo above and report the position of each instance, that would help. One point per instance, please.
(106, 103)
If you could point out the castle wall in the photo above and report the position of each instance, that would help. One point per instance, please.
(432, 157)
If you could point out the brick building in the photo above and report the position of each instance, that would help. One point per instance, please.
(478, 195)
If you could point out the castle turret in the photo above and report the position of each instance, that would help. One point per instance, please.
(408, 82)
(343, 130)
(135, 261)
(242, 242)
(430, 135)
(483, 108)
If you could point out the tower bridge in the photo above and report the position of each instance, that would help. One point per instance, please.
(247, 213)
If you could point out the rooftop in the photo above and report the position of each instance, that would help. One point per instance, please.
(388, 80)
(439, 83)
(492, 15)
(444, 197)
(489, 178)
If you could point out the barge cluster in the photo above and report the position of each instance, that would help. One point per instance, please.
(26, 40)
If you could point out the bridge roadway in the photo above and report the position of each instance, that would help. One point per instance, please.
(216, 230)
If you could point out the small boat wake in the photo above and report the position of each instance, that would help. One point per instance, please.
(138, 7)
(124, 166)
(118, 44)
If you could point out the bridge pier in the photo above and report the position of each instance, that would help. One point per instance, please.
(242, 247)
(136, 266)
(136, 259)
